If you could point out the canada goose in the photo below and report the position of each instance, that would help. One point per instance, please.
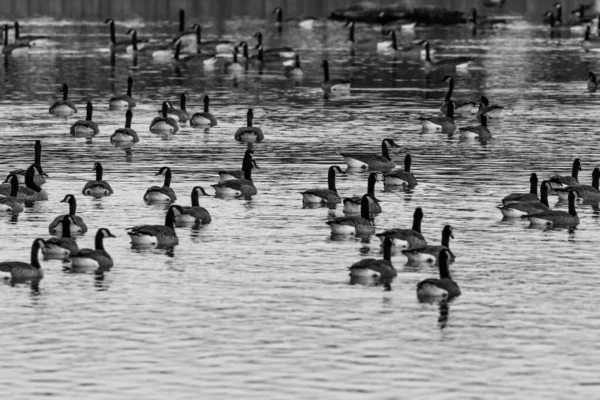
(398, 177)
(64, 107)
(97, 188)
(404, 24)
(464, 108)
(389, 45)
(372, 161)
(285, 52)
(487, 23)
(530, 197)
(430, 254)
(355, 225)
(491, 110)
(157, 235)
(98, 259)
(444, 124)
(61, 248)
(114, 45)
(518, 210)
(85, 128)
(205, 117)
(191, 41)
(195, 213)
(77, 224)
(583, 192)
(125, 100)
(557, 217)
(591, 83)
(186, 37)
(15, 49)
(164, 123)
(38, 178)
(333, 86)
(31, 191)
(327, 196)
(480, 132)
(234, 67)
(238, 174)
(446, 64)
(138, 44)
(407, 239)
(238, 187)
(302, 22)
(164, 193)
(178, 114)
(249, 133)
(444, 287)
(295, 71)
(125, 134)
(383, 270)
(32, 41)
(558, 181)
(22, 271)
(10, 202)
(352, 205)
(351, 40)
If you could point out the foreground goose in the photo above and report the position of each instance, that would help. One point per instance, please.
(446, 64)
(161, 193)
(124, 101)
(407, 239)
(98, 187)
(352, 205)
(249, 133)
(29, 192)
(61, 248)
(333, 86)
(38, 178)
(203, 118)
(400, 177)
(430, 254)
(591, 83)
(444, 287)
(326, 196)
(126, 134)
(157, 235)
(518, 210)
(195, 213)
(493, 111)
(381, 270)
(11, 202)
(372, 161)
(556, 217)
(64, 107)
(179, 114)
(21, 271)
(444, 124)
(98, 259)
(114, 45)
(77, 225)
(558, 181)
(588, 193)
(85, 128)
(480, 132)
(530, 197)
(164, 123)
(239, 174)
(238, 187)
(362, 225)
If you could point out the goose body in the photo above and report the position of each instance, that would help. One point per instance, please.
(76, 223)
(444, 124)
(557, 217)
(164, 123)
(98, 259)
(29, 192)
(14, 49)
(380, 270)
(161, 193)
(591, 83)
(64, 107)
(398, 177)
(115, 46)
(558, 181)
(407, 239)
(85, 128)
(179, 114)
(98, 187)
(238, 187)
(249, 133)
(204, 118)
(225, 175)
(333, 86)
(21, 271)
(352, 205)
(126, 134)
(588, 193)
(480, 132)
(325, 196)
(124, 101)
(61, 248)
(39, 175)
(443, 287)
(11, 202)
(430, 254)
(355, 225)
(157, 235)
(519, 210)
(372, 161)
(530, 197)
(195, 213)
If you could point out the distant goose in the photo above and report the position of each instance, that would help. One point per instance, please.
(398, 177)
(186, 37)
(15, 49)
(584, 192)
(389, 45)
(444, 124)
(97, 260)
(10, 202)
(191, 41)
(362, 225)
(480, 132)
(530, 197)
(61, 248)
(407, 239)
(446, 64)
(285, 52)
(38, 177)
(138, 44)
(487, 23)
(444, 287)
(327, 196)
(431, 254)
(203, 118)
(333, 86)
(238, 187)
(404, 24)
(372, 161)
(233, 67)
(124, 101)
(164, 192)
(164, 123)
(31, 191)
(99, 187)
(554, 23)
(591, 83)
(21, 271)
(556, 217)
(64, 107)
(558, 181)
(249, 133)
(32, 41)
(157, 235)
(126, 134)
(352, 205)
(195, 213)
(518, 210)
(225, 175)
(491, 110)
(464, 108)
(351, 40)
(77, 225)
(114, 45)
(179, 114)
(295, 71)
(382, 270)
(85, 128)
(302, 22)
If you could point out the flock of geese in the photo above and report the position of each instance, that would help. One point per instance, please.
(23, 187)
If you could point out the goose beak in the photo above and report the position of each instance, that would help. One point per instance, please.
(45, 175)
(63, 201)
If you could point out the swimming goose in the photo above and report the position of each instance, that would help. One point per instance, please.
(407, 239)
(444, 287)
(31, 191)
(205, 117)
(22, 271)
(249, 133)
(352, 205)
(85, 128)
(126, 134)
(327, 196)
(480, 132)
(191, 41)
(157, 235)
(239, 174)
(584, 192)
(444, 124)
(389, 45)
(114, 45)
(491, 110)
(403, 24)
(355, 225)
(465, 107)
(11, 202)
(98, 259)
(302, 22)
(285, 52)
(382, 270)
(61, 248)
(430, 254)
(97, 188)
(164, 123)
(238, 187)
(161, 193)
(351, 40)
(558, 181)
(530, 197)
(446, 64)
(372, 161)
(518, 210)
(138, 44)
(557, 217)
(64, 107)
(32, 41)
(179, 114)
(333, 86)
(38, 178)
(125, 100)
(294, 71)
(234, 67)
(195, 213)
(487, 23)
(398, 177)
(77, 224)
(186, 37)
(15, 49)
(591, 83)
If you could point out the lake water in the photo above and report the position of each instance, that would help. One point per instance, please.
(258, 303)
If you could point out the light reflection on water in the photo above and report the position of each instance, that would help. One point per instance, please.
(258, 303)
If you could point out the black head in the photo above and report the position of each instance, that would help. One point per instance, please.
(418, 213)
(104, 233)
(109, 21)
(448, 230)
(175, 209)
(97, 166)
(484, 100)
(68, 199)
(324, 64)
(277, 10)
(200, 190)
(577, 164)
(64, 87)
(131, 31)
(592, 76)
(10, 178)
(391, 142)
(163, 171)
(533, 178)
(557, 5)
(596, 173)
(448, 78)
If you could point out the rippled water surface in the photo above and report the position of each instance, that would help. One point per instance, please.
(258, 303)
